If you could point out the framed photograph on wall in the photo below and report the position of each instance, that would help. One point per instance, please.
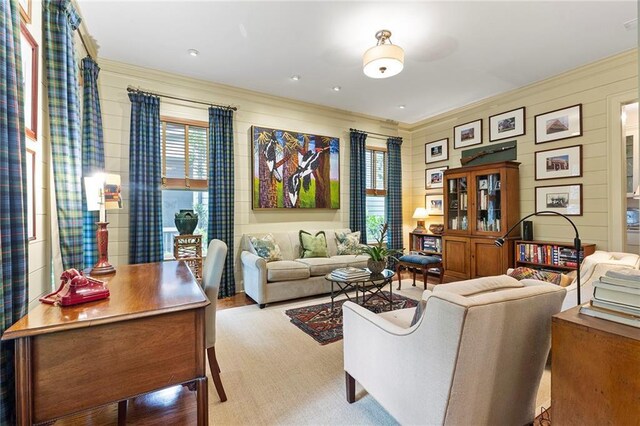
(467, 134)
(560, 124)
(506, 125)
(29, 82)
(559, 163)
(31, 194)
(433, 204)
(25, 10)
(433, 178)
(564, 199)
(436, 151)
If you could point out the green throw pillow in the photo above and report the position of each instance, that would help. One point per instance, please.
(348, 242)
(313, 246)
(266, 247)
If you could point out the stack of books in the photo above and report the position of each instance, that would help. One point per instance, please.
(616, 297)
(350, 273)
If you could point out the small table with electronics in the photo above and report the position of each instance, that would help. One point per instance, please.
(373, 285)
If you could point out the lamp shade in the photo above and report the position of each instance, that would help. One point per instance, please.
(102, 189)
(420, 213)
(383, 60)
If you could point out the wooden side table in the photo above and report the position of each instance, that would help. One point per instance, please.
(189, 249)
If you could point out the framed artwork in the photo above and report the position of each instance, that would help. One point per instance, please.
(31, 194)
(29, 82)
(467, 134)
(436, 151)
(560, 124)
(559, 163)
(293, 170)
(433, 178)
(25, 10)
(433, 204)
(564, 199)
(506, 125)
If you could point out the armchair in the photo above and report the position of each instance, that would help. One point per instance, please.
(475, 355)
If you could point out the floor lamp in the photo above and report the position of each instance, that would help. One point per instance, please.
(576, 241)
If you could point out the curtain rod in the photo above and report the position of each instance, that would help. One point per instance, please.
(374, 133)
(131, 89)
(84, 43)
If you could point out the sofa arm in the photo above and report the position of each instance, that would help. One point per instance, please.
(254, 276)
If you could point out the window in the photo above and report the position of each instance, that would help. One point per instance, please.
(376, 169)
(184, 177)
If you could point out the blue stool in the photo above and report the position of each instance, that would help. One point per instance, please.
(418, 262)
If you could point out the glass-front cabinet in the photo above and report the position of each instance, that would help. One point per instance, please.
(457, 206)
(488, 211)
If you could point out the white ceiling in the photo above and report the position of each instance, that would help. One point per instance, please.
(456, 52)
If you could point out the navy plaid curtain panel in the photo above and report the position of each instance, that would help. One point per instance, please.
(358, 185)
(394, 193)
(60, 20)
(13, 200)
(221, 190)
(145, 176)
(92, 153)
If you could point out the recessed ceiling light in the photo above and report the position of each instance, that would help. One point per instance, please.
(193, 52)
(402, 106)
(336, 88)
(295, 77)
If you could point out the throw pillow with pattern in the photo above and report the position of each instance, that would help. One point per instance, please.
(266, 247)
(313, 245)
(348, 242)
(521, 273)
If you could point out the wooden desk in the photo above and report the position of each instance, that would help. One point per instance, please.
(595, 371)
(147, 336)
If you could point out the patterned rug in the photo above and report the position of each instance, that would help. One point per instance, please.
(326, 327)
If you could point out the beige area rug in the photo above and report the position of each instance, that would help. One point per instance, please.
(274, 373)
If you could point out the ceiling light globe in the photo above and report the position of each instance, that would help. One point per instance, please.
(383, 61)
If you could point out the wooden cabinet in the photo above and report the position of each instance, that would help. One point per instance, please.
(480, 204)
(595, 371)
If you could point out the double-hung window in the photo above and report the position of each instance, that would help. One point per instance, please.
(184, 176)
(376, 169)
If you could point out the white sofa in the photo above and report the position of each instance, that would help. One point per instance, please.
(292, 277)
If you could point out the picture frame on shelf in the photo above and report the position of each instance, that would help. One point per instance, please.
(436, 151)
(31, 194)
(559, 163)
(507, 124)
(433, 178)
(434, 204)
(467, 134)
(29, 81)
(560, 124)
(564, 199)
(25, 10)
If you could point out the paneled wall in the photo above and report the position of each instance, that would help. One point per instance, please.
(593, 86)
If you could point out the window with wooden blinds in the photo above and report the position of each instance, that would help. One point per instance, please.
(184, 153)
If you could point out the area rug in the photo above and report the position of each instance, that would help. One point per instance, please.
(326, 327)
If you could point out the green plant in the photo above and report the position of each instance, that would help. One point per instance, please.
(379, 251)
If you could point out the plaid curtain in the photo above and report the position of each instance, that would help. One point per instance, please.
(92, 153)
(59, 21)
(13, 200)
(145, 176)
(221, 190)
(393, 205)
(358, 185)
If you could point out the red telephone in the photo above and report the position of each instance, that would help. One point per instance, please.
(75, 288)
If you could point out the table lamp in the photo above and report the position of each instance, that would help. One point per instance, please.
(103, 193)
(420, 214)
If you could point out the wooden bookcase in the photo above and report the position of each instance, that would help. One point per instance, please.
(549, 255)
(480, 204)
(429, 244)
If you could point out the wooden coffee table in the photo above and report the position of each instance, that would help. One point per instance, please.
(370, 286)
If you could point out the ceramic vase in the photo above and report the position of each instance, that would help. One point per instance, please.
(186, 222)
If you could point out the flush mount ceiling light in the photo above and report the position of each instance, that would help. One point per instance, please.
(193, 52)
(336, 88)
(295, 77)
(384, 59)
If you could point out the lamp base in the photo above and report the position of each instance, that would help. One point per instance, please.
(103, 267)
(420, 229)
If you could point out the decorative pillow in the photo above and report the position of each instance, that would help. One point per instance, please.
(313, 246)
(348, 242)
(419, 310)
(521, 273)
(266, 247)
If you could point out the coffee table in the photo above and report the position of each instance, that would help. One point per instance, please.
(370, 286)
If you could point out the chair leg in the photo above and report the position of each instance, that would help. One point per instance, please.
(425, 273)
(351, 388)
(441, 274)
(215, 373)
(398, 271)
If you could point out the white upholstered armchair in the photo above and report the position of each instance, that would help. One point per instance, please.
(475, 355)
(211, 275)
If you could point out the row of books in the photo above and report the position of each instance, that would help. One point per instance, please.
(350, 273)
(616, 297)
(548, 254)
(488, 225)
(432, 244)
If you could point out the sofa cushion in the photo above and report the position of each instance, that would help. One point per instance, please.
(348, 242)
(313, 245)
(420, 259)
(322, 265)
(266, 247)
(286, 270)
(355, 260)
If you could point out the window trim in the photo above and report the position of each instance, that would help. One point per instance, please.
(374, 191)
(186, 182)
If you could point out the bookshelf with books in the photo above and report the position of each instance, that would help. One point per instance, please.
(549, 255)
(429, 244)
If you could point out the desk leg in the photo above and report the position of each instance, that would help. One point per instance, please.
(202, 397)
(122, 412)
(24, 397)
